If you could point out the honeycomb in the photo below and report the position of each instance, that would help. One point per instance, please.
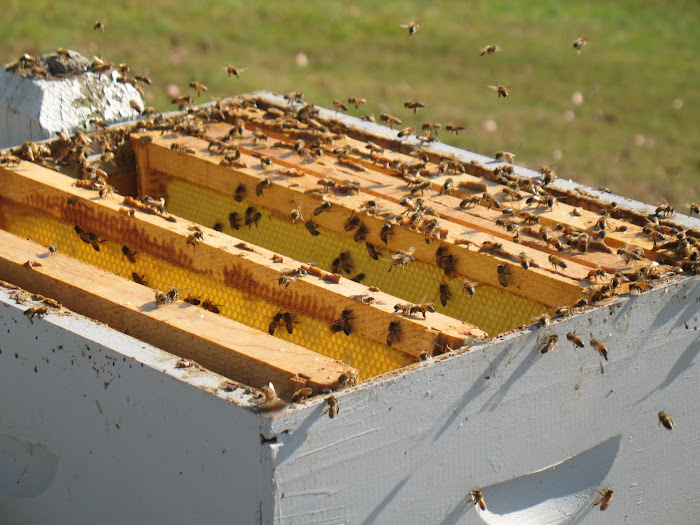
(491, 309)
(369, 357)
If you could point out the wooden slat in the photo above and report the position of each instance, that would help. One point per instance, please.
(543, 285)
(217, 343)
(217, 256)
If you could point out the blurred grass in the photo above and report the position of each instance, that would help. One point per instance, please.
(642, 58)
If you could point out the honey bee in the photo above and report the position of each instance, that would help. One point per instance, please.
(342, 262)
(332, 409)
(356, 101)
(557, 262)
(469, 287)
(352, 222)
(412, 27)
(445, 293)
(234, 220)
(605, 498)
(372, 251)
(270, 400)
(386, 231)
(260, 186)
(240, 192)
(195, 237)
(182, 101)
(550, 343)
(415, 105)
(390, 119)
(394, 333)
(578, 45)
(361, 233)
(478, 499)
(405, 132)
(293, 97)
(421, 309)
(503, 274)
(505, 156)
(402, 258)
(252, 216)
(666, 210)
(289, 321)
(234, 70)
(490, 50)
(340, 106)
(348, 378)
(454, 128)
(163, 299)
(40, 311)
(99, 26)
(325, 206)
(344, 322)
(600, 347)
(301, 395)
(501, 89)
(140, 279)
(694, 208)
(312, 227)
(198, 87)
(575, 340)
(129, 254)
(548, 175)
(666, 421)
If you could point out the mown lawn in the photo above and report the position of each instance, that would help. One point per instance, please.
(636, 130)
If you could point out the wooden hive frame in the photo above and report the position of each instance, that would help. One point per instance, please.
(468, 233)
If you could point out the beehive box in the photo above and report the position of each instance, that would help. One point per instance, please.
(417, 290)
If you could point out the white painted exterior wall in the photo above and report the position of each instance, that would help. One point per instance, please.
(537, 433)
(36, 109)
(97, 427)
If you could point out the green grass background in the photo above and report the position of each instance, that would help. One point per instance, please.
(642, 58)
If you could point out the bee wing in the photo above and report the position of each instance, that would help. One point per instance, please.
(405, 26)
(410, 250)
(495, 88)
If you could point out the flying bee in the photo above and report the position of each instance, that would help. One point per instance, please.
(344, 322)
(332, 407)
(390, 119)
(666, 421)
(252, 216)
(550, 343)
(412, 27)
(293, 97)
(694, 208)
(233, 70)
(501, 89)
(312, 227)
(415, 105)
(260, 186)
(469, 287)
(490, 50)
(340, 106)
(557, 262)
(356, 101)
(575, 340)
(503, 274)
(445, 293)
(296, 215)
(600, 347)
(578, 45)
(605, 498)
(129, 254)
(454, 128)
(402, 258)
(505, 156)
(394, 333)
(478, 499)
(99, 26)
(431, 126)
(198, 87)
